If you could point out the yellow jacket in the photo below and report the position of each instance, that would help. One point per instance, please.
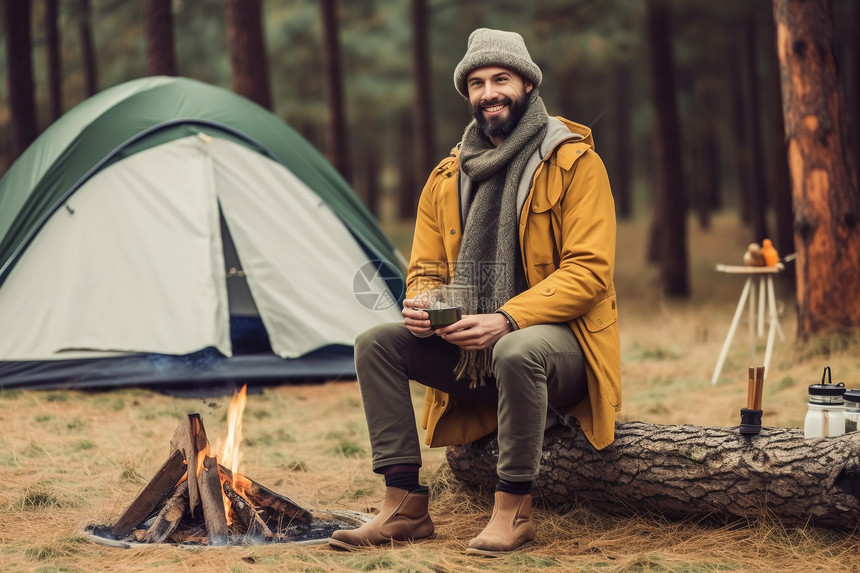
(567, 240)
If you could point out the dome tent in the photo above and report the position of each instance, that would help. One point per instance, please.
(168, 231)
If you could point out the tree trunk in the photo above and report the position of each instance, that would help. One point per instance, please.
(338, 149)
(622, 182)
(706, 152)
(758, 199)
(425, 138)
(855, 80)
(823, 174)
(19, 75)
(780, 186)
(697, 472)
(249, 63)
(160, 51)
(408, 181)
(656, 235)
(672, 216)
(55, 74)
(742, 155)
(370, 179)
(88, 52)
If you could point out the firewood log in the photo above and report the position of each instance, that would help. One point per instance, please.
(212, 501)
(169, 516)
(690, 471)
(277, 510)
(253, 524)
(158, 488)
(190, 438)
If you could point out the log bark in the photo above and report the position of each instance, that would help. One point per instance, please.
(680, 472)
(151, 495)
(169, 516)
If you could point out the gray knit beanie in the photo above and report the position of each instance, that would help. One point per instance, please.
(495, 48)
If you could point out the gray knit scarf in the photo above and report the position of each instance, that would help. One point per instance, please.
(488, 258)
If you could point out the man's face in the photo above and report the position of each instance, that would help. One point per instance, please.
(498, 99)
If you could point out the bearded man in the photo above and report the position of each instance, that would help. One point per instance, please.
(522, 214)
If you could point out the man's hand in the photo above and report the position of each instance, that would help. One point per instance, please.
(415, 319)
(475, 331)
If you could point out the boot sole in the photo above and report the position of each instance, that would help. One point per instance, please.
(490, 553)
(344, 546)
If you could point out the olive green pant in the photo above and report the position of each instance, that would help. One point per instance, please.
(532, 368)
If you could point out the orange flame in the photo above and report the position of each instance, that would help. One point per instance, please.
(230, 455)
(201, 455)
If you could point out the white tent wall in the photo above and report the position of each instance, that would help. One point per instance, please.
(134, 261)
(131, 263)
(299, 258)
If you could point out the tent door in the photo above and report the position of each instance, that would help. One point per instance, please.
(247, 333)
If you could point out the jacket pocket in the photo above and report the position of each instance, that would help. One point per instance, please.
(602, 315)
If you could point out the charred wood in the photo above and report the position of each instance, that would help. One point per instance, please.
(277, 511)
(212, 501)
(158, 488)
(193, 535)
(190, 439)
(169, 516)
(253, 524)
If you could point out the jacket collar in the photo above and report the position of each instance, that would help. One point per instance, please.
(558, 131)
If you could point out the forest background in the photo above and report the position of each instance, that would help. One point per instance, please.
(348, 76)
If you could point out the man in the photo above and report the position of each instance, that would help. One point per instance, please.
(522, 213)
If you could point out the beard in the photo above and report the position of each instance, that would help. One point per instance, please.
(501, 126)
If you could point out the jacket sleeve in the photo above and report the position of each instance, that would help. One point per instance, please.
(428, 265)
(579, 274)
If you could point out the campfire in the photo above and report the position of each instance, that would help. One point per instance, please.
(198, 498)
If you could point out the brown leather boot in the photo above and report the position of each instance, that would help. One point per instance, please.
(509, 529)
(403, 517)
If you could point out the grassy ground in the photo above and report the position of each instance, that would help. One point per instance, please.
(73, 458)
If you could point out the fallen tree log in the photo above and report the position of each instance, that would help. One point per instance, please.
(690, 471)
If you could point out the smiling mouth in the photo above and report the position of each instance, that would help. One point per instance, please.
(495, 108)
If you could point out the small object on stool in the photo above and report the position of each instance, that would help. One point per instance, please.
(754, 256)
(768, 251)
(751, 415)
(750, 422)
